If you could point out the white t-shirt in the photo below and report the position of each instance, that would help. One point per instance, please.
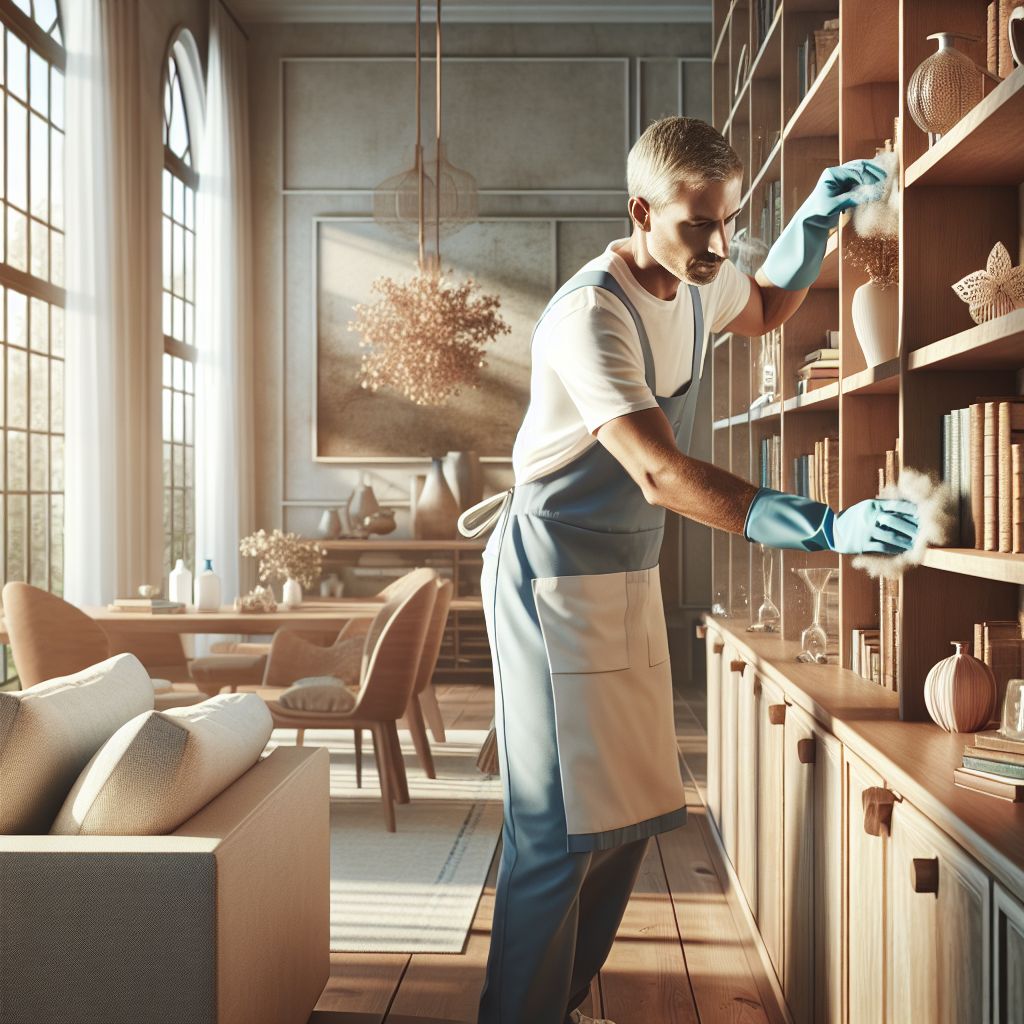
(588, 367)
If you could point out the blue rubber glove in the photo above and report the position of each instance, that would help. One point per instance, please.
(879, 526)
(794, 261)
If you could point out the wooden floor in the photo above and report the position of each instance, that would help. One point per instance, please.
(682, 953)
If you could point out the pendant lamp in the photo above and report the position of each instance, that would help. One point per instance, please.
(432, 196)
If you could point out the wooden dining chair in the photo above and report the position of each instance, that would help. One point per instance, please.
(389, 665)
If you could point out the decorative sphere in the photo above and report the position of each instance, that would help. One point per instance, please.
(960, 692)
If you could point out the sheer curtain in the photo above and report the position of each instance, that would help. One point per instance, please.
(225, 491)
(112, 487)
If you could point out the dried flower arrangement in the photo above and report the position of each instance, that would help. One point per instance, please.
(994, 291)
(260, 599)
(873, 245)
(426, 336)
(284, 556)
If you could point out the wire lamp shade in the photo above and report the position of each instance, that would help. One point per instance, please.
(396, 201)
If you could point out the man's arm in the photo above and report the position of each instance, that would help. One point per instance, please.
(766, 308)
(646, 446)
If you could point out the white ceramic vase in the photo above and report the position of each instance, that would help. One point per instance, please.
(292, 594)
(437, 511)
(876, 319)
(465, 478)
(207, 589)
(960, 692)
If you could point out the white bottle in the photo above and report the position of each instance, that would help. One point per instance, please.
(180, 583)
(208, 589)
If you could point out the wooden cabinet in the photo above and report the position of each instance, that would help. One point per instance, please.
(748, 697)
(938, 901)
(715, 647)
(865, 880)
(1007, 958)
(770, 746)
(730, 740)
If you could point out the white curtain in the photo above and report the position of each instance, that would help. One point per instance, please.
(112, 483)
(225, 490)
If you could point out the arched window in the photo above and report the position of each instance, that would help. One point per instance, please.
(180, 182)
(32, 298)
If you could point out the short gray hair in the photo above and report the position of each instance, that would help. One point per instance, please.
(675, 150)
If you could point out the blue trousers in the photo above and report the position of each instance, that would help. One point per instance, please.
(555, 912)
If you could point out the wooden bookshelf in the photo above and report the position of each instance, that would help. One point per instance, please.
(960, 197)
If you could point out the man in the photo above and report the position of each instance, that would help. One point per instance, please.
(583, 689)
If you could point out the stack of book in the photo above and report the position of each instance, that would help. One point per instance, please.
(812, 55)
(764, 15)
(994, 764)
(771, 213)
(146, 606)
(771, 462)
(866, 654)
(817, 476)
(820, 368)
(982, 457)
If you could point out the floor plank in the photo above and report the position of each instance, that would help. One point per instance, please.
(723, 987)
(362, 982)
(447, 986)
(644, 978)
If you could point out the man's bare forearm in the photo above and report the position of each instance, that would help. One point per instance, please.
(646, 446)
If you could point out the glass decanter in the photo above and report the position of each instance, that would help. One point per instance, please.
(767, 370)
(814, 639)
(768, 613)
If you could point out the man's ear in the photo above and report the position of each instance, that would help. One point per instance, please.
(640, 213)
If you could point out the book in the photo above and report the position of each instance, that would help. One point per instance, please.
(966, 521)
(995, 740)
(830, 355)
(980, 782)
(1001, 756)
(146, 606)
(954, 455)
(832, 339)
(991, 476)
(1016, 462)
(805, 387)
(832, 472)
(977, 470)
(997, 768)
(1011, 430)
(817, 372)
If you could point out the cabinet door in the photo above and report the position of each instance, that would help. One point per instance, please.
(828, 877)
(770, 746)
(798, 869)
(730, 748)
(938, 948)
(1008, 959)
(715, 647)
(749, 689)
(865, 871)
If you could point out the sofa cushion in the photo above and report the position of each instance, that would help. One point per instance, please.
(318, 693)
(49, 732)
(157, 770)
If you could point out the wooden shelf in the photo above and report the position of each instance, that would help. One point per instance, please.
(994, 345)
(720, 425)
(985, 148)
(773, 162)
(828, 277)
(818, 113)
(762, 412)
(722, 339)
(988, 565)
(724, 32)
(820, 399)
(768, 61)
(883, 379)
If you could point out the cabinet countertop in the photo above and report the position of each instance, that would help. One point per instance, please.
(916, 759)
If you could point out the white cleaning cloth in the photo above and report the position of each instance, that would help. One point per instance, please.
(937, 515)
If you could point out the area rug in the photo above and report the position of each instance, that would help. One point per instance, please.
(414, 890)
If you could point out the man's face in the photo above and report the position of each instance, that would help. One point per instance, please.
(690, 236)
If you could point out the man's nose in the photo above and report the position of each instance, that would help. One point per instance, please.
(718, 243)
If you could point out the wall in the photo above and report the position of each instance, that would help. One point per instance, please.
(548, 149)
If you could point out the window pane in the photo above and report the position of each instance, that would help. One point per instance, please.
(40, 263)
(39, 151)
(167, 192)
(167, 460)
(39, 445)
(40, 505)
(179, 465)
(178, 382)
(167, 255)
(17, 461)
(57, 97)
(17, 327)
(57, 178)
(56, 395)
(57, 544)
(17, 57)
(17, 388)
(179, 319)
(17, 508)
(57, 258)
(189, 419)
(190, 209)
(57, 330)
(17, 242)
(178, 137)
(2, 136)
(39, 84)
(39, 392)
(179, 199)
(190, 271)
(167, 411)
(168, 326)
(46, 13)
(57, 463)
(190, 319)
(178, 280)
(39, 317)
(17, 154)
(178, 433)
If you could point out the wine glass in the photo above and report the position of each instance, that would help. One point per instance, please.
(814, 639)
(768, 613)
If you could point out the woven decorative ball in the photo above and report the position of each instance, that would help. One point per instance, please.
(960, 692)
(944, 87)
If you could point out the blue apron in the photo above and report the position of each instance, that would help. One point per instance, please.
(572, 592)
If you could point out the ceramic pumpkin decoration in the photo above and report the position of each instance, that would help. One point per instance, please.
(960, 692)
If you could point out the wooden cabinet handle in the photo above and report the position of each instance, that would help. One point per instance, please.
(924, 874)
(718, 647)
(877, 803)
(777, 714)
(702, 632)
(807, 750)
(737, 666)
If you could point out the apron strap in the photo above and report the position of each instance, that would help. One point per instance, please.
(692, 387)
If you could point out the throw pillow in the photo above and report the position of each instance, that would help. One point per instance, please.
(49, 731)
(157, 770)
(318, 693)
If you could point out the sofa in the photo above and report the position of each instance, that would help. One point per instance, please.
(225, 919)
